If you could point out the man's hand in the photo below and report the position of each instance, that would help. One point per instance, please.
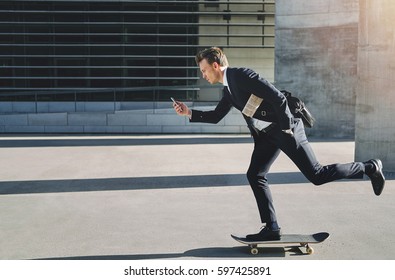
(182, 109)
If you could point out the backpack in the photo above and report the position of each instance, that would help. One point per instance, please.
(298, 109)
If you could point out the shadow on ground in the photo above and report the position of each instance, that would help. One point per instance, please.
(140, 183)
(212, 252)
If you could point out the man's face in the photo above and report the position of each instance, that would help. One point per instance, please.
(210, 72)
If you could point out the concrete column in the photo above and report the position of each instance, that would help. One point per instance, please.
(316, 57)
(375, 103)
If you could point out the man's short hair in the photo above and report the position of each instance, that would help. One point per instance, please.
(213, 54)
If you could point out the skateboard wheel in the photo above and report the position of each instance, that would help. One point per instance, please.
(309, 250)
(254, 251)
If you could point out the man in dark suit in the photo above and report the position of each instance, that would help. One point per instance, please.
(274, 129)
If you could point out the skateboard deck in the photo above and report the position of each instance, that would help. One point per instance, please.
(303, 239)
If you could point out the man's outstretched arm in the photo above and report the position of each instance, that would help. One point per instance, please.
(213, 116)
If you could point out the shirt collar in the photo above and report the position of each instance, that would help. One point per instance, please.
(225, 80)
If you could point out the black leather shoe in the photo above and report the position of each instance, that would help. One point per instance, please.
(377, 177)
(265, 234)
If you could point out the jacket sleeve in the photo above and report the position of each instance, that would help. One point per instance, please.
(214, 116)
(260, 87)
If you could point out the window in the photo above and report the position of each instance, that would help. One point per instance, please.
(124, 45)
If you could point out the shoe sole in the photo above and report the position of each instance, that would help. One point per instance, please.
(378, 174)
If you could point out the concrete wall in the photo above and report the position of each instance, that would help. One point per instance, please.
(316, 57)
(147, 117)
(375, 115)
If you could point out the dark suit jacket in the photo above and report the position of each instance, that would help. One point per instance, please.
(242, 83)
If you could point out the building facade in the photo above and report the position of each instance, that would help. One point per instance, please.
(124, 50)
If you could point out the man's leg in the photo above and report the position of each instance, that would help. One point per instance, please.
(262, 158)
(298, 149)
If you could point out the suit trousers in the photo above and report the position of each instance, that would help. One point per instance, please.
(267, 147)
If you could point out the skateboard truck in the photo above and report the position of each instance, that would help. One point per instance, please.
(309, 250)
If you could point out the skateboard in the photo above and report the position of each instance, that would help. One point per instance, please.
(303, 239)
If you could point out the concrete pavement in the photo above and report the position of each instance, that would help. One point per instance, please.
(175, 197)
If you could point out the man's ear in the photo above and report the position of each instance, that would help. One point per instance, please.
(216, 66)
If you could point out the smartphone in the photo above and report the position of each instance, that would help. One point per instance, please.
(175, 102)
